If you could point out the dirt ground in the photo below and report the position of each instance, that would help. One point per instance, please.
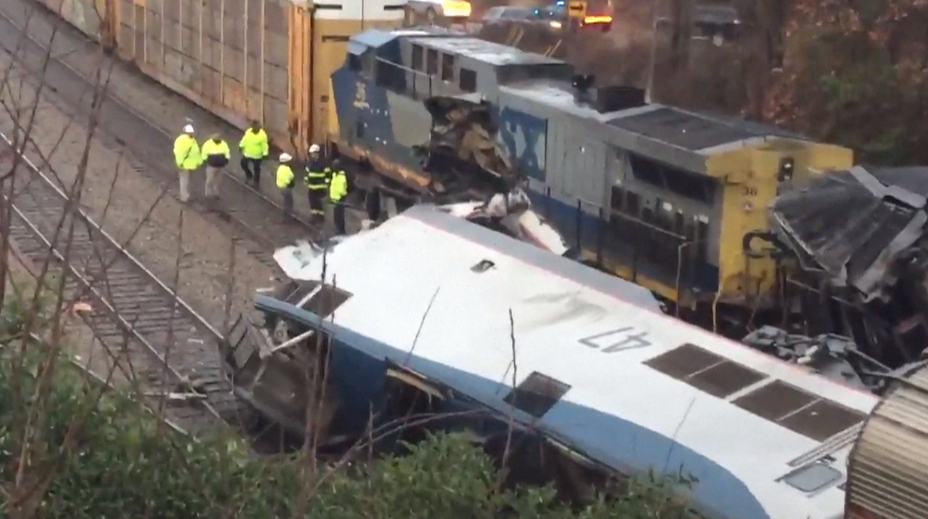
(173, 242)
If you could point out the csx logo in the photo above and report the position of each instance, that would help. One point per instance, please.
(360, 96)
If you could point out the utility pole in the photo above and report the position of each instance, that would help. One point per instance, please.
(652, 61)
(681, 27)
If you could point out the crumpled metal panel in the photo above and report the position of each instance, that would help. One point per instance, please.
(829, 355)
(888, 468)
(463, 147)
(852, 226)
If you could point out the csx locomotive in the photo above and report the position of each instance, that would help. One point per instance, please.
(673, 200)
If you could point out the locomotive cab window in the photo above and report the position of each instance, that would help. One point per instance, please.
(647, 170)
(468, 80)
(354, 62)
(618, 198)
(689, 185)
(431, 62)
(447, 67)
(389, 75)
(632, 204)
(417, 57)
(693, 186)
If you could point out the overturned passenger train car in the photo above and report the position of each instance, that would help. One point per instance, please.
(430, 314)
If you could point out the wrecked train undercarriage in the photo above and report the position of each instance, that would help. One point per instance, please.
(281, 368)
(858, 242)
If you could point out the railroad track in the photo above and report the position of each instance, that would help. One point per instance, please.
(162, 341)
(256, 222)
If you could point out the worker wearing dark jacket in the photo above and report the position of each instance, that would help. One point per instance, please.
(254, 147)
(338, 190)
(317, 182)
(217, 154)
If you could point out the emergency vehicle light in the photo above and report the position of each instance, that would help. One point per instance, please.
(603, 18)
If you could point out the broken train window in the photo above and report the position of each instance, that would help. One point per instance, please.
(313, 296)
(537, 394)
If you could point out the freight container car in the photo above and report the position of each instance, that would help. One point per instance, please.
(888, 468)
(269, 60)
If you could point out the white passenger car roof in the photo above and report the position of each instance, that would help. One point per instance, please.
(625, 384)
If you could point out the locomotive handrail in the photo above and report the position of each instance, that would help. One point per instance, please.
(384, 65)
(598, 235)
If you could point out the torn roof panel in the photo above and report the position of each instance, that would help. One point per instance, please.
(910, 178)
(851, 224)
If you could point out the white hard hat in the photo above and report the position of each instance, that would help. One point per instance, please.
(188, 128)
(285, 157)
(314, 148)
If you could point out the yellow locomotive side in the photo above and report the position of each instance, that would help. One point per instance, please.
(750, 176)
(268, 60)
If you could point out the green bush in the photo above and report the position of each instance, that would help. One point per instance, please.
(109, 458)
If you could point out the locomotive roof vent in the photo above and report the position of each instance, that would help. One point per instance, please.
(581, 84)
(605, 99)
(613, 98)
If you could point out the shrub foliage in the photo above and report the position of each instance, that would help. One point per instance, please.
(67, 450)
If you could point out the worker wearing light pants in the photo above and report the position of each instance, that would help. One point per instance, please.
(217, 154)
(285, 180)
(187, 158)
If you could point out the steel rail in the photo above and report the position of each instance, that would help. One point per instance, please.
(259, 218)
(171, 347)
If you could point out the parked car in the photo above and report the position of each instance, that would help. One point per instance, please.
(435, 12)
(509, 14)
(557, 16)
(719, 22)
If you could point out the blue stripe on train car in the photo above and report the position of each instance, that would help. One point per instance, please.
(358, 370)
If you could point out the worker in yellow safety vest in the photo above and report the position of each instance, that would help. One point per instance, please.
(254, 147)
(317, 182)
(187, 158)
(285, 182)
(338, 190)
(217, 154)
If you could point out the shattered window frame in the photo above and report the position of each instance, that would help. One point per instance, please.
(537, 394)
(326, 301)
